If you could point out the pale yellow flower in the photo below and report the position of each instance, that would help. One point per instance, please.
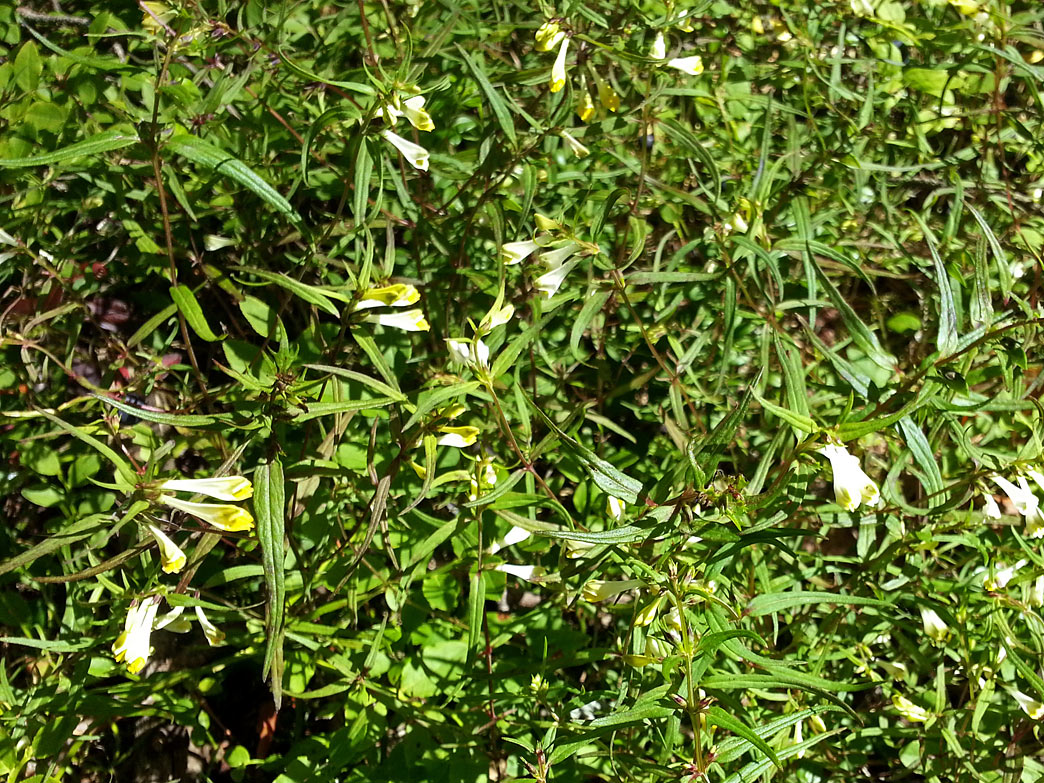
(134, 645)
(585, 106)
(658, 50)
(230, 518)
(909, 710)
(597, 590)
(515, 252)
(397, 295)
(171, 556)
(1029, 705)
(851, 485)
(558, 70)
(414, 153)
(418, 116)
(934, 626)
(227, 488)
(693, 66)
(407, 320)
(548, 36)
(615, 508)
(578, 149)
(458, 437)
(214, 634)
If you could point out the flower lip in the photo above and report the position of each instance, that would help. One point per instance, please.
(225, 488)
(229, 518)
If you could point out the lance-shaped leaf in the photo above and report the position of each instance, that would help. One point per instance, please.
(269, 506)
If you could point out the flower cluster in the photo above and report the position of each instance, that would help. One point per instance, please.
(412, 108)
(227, 517)
(134, 645)
(561, 253)
(396, 295)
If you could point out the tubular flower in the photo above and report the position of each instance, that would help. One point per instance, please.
(418, 116)
(851, 485)
(214, 634)
(516, 252)
(909, 710)
(558, 70)
(548, 36)
(133, 646)
(555, 258)
(1000, 579)
(473, 353)
(597, 590)
(529, 573)
(658, 50)
(615, 507)
(408, 320)
(585, 107)
(1029, 705)
(498, 316)
(398, 295)
(934, 626)
(457, 437)
(693, 66)
(227, 488)
(414, 153)
(1025, 503)
(990, 507)
(514, 536)
(230, 518)
(171, 556)
(607, 95)
(549, 282)
(578, 149)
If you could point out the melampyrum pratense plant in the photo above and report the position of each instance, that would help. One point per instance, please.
(577, 392)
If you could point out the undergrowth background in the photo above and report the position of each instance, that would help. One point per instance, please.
(561, 519)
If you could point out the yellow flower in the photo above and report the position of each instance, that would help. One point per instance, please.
(1029, 705)
(214, 634)
(409, 320)
(548, 36)
(615, 508)
(230, 518)
(133, 646)
(417, 114)
(457, 437)
(597, 590)
(398, 295)
(558, 70)
(414, 153)
(607, 95)
(227, 488)
(690, 65)
(909, 710)
(171, 556)
(585, 106)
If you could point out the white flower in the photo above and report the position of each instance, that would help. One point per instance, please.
(549, 282)
(990, 507)
(407, 320)
(134, 645)
(481, 352)
(597, 590)
(459, 351)
(615, 507)
(498, 316)
(1000, 579)
(1025, 503)
(1036, 592)
(798, 739)
(555, 258)
(457, 437)
(227, 488)
(693, 66)
(514, 536)
(225, 517)
(173, 621)
(529, 573)
(1029, 705)
(909, 710)
(558, 70)
(934, 626)
(658, 50)
(398, 295)
(414, 153)
(851, 485)
(417, 114)
(515, 252)
(214, 634)
(578, 149)
(171, 556)
(1037, 476)
(473, 353)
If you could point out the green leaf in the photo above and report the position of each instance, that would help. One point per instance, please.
(269, 509)
(705, 454)
(308, 293)
(189, 307)
(227, 165)
(500, 109)
(716, 716)
(103, 142)
(770, 603)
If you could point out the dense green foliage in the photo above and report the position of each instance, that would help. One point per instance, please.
(555, 404)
